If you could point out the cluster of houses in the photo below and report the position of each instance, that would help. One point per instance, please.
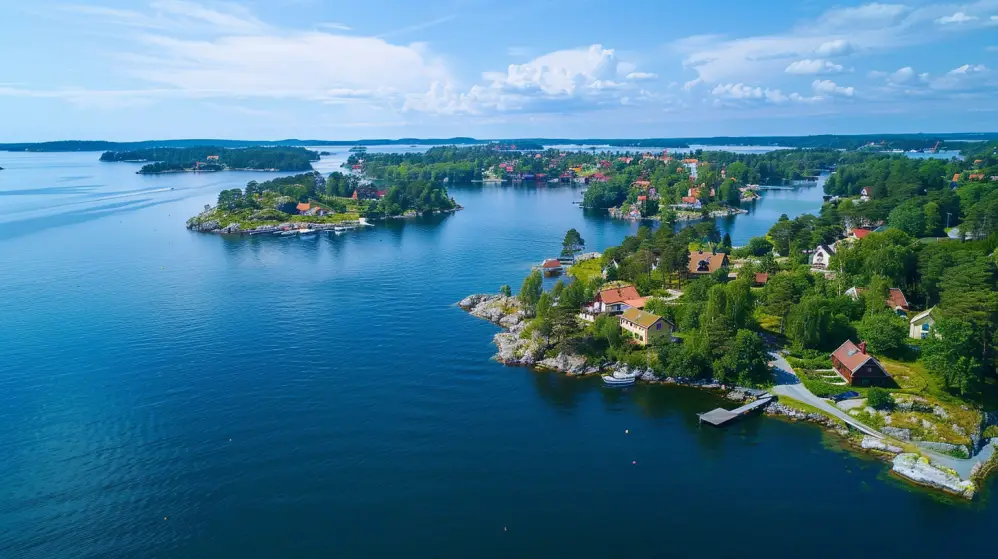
(625, 303)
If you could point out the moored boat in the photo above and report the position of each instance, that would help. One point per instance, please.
(612, 380)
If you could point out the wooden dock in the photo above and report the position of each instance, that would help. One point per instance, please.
(720, 416)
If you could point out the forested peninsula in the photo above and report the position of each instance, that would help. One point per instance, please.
(213, 158)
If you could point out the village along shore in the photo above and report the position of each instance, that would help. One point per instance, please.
(518, 347)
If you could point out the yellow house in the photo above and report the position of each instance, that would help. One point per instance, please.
(644, 327)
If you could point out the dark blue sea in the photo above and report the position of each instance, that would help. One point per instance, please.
(171, 394)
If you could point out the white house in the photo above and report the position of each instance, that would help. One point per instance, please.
(865, 194)
(920, 325)
(822, 256)
(855, 292)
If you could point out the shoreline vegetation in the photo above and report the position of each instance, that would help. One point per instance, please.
(311, 201)
(781, 313)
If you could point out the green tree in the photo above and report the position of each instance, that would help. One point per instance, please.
(908, 217)
(884, 332)
(950, 352)
(879, 399)
(752, 358)
(530, 291)
(572, 244)
(505, 290)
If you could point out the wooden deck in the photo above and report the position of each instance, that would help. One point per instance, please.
(720, 416)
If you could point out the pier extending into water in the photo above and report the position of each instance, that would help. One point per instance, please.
(720, 416)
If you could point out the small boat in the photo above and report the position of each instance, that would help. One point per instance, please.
(290, 233)
(307, 233)
(611, 380)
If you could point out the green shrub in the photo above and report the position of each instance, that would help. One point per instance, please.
(879, 399)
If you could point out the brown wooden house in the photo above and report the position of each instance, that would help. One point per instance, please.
(857, 367)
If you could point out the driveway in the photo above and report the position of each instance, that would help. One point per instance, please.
(789, 384)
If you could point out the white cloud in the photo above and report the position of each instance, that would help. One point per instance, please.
(559, 73)
(957, 18)
(835, 47)
(642, 76)
(906, 76)
(969, 69)
(870, 28)
(176, 16)
(691, 84)
(829, 87)
(234, 54)
(873, 15)
(335, 26)
(737, 91)
(566, 80)
(813, 67)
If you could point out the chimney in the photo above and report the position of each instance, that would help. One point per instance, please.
(862, 347)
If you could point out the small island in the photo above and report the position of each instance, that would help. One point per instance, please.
(311, 201)
(867, 319)
(213, 159)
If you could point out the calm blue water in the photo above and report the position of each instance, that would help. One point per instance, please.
(169, 394)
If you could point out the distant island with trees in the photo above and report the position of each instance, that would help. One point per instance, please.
(214, 158)
(312, 200)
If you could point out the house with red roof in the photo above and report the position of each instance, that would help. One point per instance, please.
(613, 301)
(897, 301)
(303, 207)
(857, 367)
(706, 262)
(859, 233)
(599, 177)
(551, 266)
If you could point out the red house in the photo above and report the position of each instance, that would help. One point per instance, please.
(857, 367)
(896, 300)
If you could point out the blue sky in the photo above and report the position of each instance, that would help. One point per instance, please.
(268, 69)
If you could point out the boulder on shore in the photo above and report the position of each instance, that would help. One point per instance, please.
(568, 364)
(918, 469)
(873, 443)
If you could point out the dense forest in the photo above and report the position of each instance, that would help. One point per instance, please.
(213, 158)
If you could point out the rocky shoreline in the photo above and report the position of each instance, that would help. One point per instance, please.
(516, 346)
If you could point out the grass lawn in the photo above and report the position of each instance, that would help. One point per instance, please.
(768, 322)
(586, 271)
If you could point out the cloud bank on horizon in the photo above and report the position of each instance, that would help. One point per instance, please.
(120, 69)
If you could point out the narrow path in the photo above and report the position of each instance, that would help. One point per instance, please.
(789, 384)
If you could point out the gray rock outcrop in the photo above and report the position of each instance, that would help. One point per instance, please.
(919, 470)
(873, 443)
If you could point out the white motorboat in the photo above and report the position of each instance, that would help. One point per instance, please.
(614, 380)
